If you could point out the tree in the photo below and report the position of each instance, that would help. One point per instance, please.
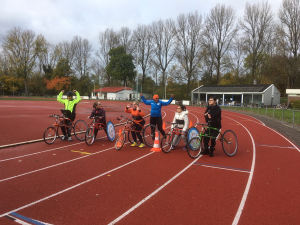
(58, 83)
(22, 49)
(219, 32)
(257, 26)
(120, 65)
(62, 69)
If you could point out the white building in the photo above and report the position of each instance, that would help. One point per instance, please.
(293, 94)
(117, 93)
(261, 94)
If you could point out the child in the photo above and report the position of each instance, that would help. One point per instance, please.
(70, 104)
(99, 111)
(139, 121)
(182, 121)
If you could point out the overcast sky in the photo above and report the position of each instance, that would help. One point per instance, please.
(60, 20)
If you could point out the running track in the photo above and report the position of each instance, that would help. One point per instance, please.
(72, 183)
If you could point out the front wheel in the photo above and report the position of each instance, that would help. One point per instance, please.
(120, 141)
(149, 134)
(111, 132)
(80, 129)
(229, 143)
(194, 147)
(90, 136)
(166, 143)
(50, 135)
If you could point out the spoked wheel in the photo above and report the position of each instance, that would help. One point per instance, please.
(166, 143)
(229, 143)
(80, 129)
(90, 136)
(194, 147)
(130, 138)
(120, 141)
(50, 135)
(149, 134)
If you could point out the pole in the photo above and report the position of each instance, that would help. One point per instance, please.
(13, 90)
(137, 74)
(94, 87)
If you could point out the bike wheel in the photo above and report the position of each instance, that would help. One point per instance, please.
(50, 135)
(90, 136)
(80, 129)
(149, 134)
(194, 147)
(229, 143)
(166, 143)
(120, 141)
(111, 132)
(130, 138)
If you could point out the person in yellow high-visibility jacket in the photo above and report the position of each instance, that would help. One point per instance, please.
(70, 104)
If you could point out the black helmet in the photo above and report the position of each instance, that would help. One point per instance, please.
(69, 93)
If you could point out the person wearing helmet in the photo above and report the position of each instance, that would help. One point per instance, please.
(70, 104)
(156, 104)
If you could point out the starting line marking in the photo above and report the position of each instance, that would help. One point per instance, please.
(275, 146)
(222, 167)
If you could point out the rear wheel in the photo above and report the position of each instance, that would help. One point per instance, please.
(90, 136)
(80, 129)
(229, 143)
(194, 147)
(120, 141)
(149, 134)
(50, 135)
(166, 143)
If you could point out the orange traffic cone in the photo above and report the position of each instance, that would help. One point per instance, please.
(191, 124)
(156, 146)
(164, 126)
(119, 142)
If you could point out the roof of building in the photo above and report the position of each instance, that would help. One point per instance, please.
(112, 89)
(232, 88)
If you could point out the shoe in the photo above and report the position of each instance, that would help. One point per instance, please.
(64, 138)
(134, 144)
(184, 148)
(204, 151)
(211, 153)
(142, 145)
(69, 139)
(173, 148)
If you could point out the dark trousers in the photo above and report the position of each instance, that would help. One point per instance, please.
(157, 121)
(214, 133)
(138, 128)
(105, 128)
(63, 129)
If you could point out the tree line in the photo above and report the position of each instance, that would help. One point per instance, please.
(164, 57)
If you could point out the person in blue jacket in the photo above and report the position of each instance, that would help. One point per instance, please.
(155, 116)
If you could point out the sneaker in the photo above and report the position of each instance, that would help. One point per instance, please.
(134, 144)
(173, 148)
(184, 148)
(69, 139)
(142, 145)
(64, 138)
(204, 151)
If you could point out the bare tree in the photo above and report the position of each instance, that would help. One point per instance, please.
(257, 26)
(144, 48)
(125, 39)
(219, 32)
(22, 49)
(163, 37)
(107, 40)
(289, 38)
(82, 55)
(237, 57)
(188, 41)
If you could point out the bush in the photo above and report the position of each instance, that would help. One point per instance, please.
(295, 104)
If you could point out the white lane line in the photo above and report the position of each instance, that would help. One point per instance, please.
(152, 194)
(255, 120)
(275, 146)
(77, 185)
(242, 171)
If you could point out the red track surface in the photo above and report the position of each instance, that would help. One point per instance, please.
(55, 185)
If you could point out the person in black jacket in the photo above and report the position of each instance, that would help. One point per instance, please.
(213, 118)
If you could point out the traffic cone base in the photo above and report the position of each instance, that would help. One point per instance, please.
(156, 146)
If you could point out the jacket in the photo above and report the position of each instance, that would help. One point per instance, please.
(70, 105)
(215, 112)
(156, 106)
(183, 119)
(137, 115)
(99, 112)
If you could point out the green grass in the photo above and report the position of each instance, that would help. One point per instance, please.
(28, 99)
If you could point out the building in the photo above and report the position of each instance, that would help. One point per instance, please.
(116, 93)
(293, 94)
(261, 94)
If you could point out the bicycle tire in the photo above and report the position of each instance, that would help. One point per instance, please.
(166, 144)
(80, 129)
(149, 134)
(120, 141)
(50, 135)
(229, 143)
(90, 136)
(195, 147)
(111, 132)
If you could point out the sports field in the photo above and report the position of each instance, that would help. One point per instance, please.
(73, 183)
